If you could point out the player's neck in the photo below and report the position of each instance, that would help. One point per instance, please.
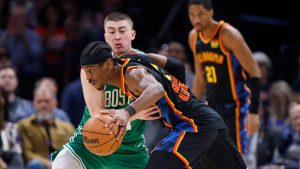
(207, 32)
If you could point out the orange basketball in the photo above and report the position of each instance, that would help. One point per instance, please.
(96, 137)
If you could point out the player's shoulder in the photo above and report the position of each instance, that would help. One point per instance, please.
(137, 51)
(136, 58)
(229, 31)
(192, 36)
(192, 33)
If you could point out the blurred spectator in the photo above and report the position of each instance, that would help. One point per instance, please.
(288, 152)
(265, 66)
(281, 97)
(4, 57)
(42, 133)
(18, 108)
(261, 145)
(72, 101)
(177, 50)
(53, 37)
(10, 150)
(24, 46)
(49, 83)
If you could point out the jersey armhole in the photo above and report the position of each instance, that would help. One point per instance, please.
(194, 43)
(220, 40)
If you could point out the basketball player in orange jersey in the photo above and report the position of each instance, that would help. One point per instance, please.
(196, 129)
(225, 71)
(119, 34)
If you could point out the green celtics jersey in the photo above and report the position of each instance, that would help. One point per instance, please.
(132, 154)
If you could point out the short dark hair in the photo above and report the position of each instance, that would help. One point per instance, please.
(207, 4)
(95, 53)
(118, 16)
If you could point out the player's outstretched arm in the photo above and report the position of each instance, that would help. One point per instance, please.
(233, 41)
(172, 65)
(94, 98)
(142, 83)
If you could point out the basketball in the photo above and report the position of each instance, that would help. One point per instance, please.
(96, 137)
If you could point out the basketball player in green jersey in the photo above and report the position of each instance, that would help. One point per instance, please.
(132, 153)
(225, 70)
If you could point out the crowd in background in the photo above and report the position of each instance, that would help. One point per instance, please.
(40, 89)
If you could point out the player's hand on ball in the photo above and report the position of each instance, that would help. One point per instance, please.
(119, 119)
(151, 113)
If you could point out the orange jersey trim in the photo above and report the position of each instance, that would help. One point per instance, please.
(237, 101)
(191, 121)
(122, 76)
(212, 34)
(233, 90)
(129, 94)
(194, 43)
(184, 160)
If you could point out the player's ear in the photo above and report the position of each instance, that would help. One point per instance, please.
(105, 34)
(109, 64)
(133, 33)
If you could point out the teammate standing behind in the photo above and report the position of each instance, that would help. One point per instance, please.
(133, 153)
(225, 70)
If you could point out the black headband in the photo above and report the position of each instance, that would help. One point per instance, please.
(95, 58)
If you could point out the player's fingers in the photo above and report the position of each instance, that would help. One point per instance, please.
(121, 132)
(110, 124)
(152, 112)
(153, 118)
(111, 127)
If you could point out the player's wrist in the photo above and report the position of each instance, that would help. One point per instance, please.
(131, 111)
(254, 85)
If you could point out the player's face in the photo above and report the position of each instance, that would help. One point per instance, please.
(199, 16)
(99, 75)
(119, 35)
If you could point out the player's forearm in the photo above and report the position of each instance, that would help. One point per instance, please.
(149, 97)
(198, 88)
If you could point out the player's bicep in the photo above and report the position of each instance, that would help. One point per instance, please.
(139, 79)
(234, 41)
(158, 59)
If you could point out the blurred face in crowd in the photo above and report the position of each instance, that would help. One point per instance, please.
(278, 104)
(17, 19)
(176, 50)
(8, 80)
(119, 34)
(44, 102)
(199, 16)
(295, 117)
(280, 96)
